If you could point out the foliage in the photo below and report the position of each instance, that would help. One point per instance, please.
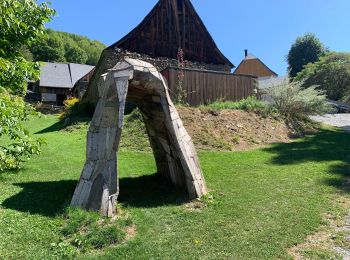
(21, 22)
(25, 52)
(293, 101)
(259, 194)
(249, 104)
(181, 95)
(70, 102)
(296, 104)
(49, 48)
(75, 54)
(58, 46)
(76, 109)
(19, 145)
(331, 74)
(306, 49)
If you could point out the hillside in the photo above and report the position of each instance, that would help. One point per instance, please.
(225, 130)
(58, 46)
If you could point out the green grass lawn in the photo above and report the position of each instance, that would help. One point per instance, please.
(265, 200)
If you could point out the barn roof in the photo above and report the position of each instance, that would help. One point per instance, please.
(62, 75)
(173, 24)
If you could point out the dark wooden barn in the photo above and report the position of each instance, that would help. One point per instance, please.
(172, 25)
(252, 65)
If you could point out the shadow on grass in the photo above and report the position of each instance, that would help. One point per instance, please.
(58, 126)
(52, 128)
(150, 191)
(324, 146)
(51, 198)
(44, 198)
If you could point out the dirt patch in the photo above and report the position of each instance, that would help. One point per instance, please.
(195, 206)
(130, 232)
(232, 129)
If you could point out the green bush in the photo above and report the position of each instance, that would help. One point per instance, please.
(292, 101)
(75, 110)
(17, 145)
(250, 104)
(296, 104)
(331, 74)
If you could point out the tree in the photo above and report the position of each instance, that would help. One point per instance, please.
(21, 22)
(75, 54)
(306, 49)
(331, 74)
(49, 48)
(67, 47)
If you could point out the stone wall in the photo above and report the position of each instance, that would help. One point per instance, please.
(111, 56)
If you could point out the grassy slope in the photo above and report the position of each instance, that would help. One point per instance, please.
(265, 201)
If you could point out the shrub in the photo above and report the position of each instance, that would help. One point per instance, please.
(331, 74)
(250, 104)
(291, 100)
(70, 102)
(296, 104)
(19, 145)
(76, 109)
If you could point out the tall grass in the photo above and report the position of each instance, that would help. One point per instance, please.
(249, 104)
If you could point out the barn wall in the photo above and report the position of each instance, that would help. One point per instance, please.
(204, 87)
(110, 57)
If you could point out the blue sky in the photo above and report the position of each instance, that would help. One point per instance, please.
(266, 27)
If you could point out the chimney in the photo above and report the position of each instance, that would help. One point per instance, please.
(245, 53)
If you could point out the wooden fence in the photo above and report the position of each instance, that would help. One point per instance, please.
(204, 87)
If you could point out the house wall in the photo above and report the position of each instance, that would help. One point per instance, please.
(54, 95)
(254, 67)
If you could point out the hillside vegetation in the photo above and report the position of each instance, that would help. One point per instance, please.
(58, 46)
(220, 130)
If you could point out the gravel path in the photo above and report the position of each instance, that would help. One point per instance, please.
(338, 120)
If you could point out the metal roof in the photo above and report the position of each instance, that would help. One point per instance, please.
(62, 75)
(78, 71)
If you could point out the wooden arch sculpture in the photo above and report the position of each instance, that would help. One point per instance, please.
(174, 152)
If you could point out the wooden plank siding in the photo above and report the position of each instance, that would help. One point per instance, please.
(174, 24)
(254, 67)
(204, 87)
